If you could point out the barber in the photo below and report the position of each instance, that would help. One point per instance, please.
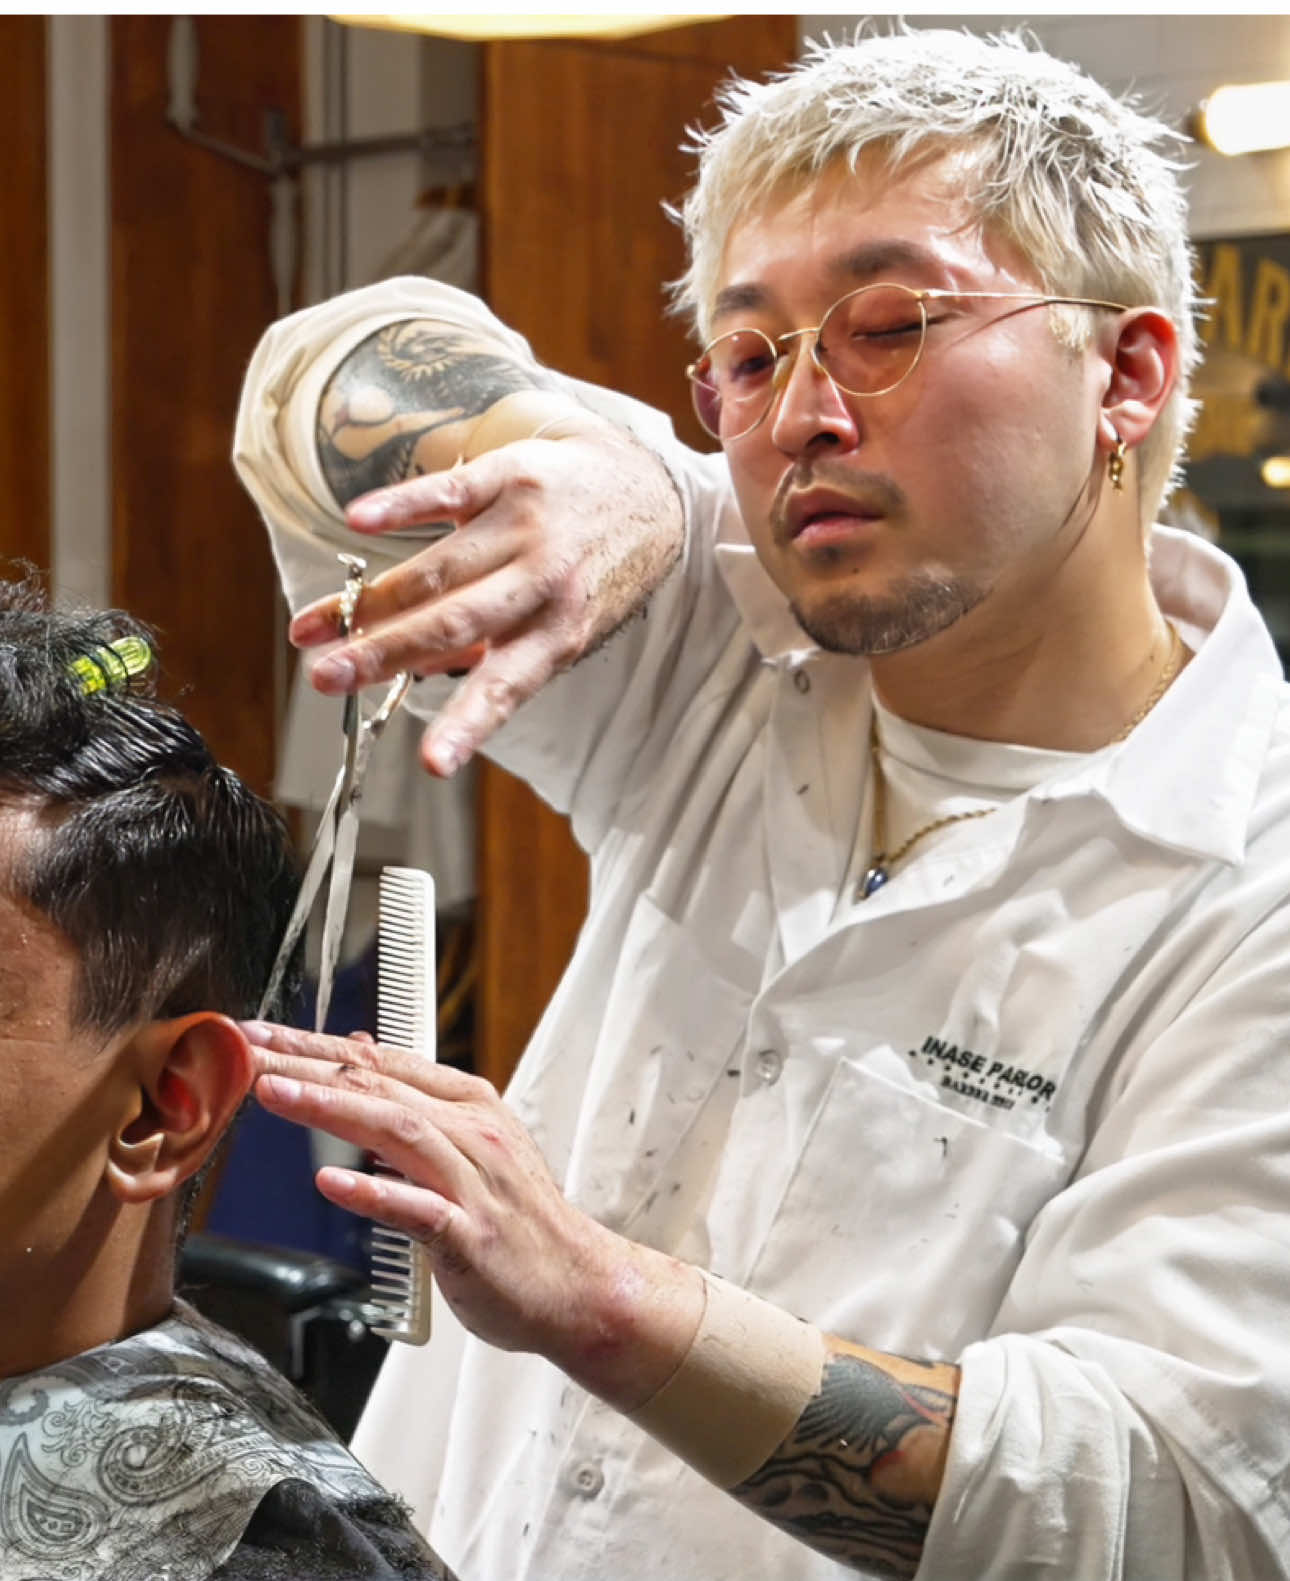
(903, 1158)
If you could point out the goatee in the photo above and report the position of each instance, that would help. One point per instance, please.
(911, 612)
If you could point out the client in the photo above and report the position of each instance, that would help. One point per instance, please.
(143, 892)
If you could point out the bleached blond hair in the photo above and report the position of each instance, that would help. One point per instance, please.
(1074, 177)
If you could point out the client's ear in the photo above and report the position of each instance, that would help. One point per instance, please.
(193, 1073)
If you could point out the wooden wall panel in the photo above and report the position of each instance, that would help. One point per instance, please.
(749, 45)
(580, 148)
(191, 292)
(24, 292)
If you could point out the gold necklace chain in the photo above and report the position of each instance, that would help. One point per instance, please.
(1172, 666)
(880, 863)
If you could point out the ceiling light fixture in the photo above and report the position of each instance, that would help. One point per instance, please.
(481, 26)
(1244, 119)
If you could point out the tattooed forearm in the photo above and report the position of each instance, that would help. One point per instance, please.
(388, 463)
(858, 1475)
(395, 391)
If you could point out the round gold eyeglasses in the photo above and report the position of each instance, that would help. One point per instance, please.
(868, 342)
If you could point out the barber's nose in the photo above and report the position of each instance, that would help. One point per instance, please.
(809, 408)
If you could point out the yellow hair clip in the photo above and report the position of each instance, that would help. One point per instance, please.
(115, 664)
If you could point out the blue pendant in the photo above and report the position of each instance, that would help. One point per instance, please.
(873, 880)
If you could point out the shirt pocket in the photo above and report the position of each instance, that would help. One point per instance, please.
(902, 1220)
(665, 1053)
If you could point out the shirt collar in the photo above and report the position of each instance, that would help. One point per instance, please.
(1188, 775)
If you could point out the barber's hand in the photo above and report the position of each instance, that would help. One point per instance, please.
(521, 1266)
(559, 541)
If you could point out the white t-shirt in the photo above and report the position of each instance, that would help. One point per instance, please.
(1026, 1108)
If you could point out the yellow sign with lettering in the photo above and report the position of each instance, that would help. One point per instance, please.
(1246, 333)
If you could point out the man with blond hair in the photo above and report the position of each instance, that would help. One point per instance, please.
(903, 1158)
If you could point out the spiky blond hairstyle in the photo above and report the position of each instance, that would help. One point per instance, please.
(1071, 175)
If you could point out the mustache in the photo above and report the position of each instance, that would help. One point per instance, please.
(873, 492)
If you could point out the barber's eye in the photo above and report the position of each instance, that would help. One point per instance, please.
(888, 331)
(751, 368)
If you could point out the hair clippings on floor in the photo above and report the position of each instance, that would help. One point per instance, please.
(114, 666)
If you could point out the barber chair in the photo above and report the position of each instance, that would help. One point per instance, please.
(308, 1314)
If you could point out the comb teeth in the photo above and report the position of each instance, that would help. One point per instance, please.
(400, 1288)
(405, 960)
(405, 1018)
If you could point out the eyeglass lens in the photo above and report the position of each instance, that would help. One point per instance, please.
(869, 341)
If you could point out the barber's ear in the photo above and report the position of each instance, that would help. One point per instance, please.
(193, 1073)
(1143, 361)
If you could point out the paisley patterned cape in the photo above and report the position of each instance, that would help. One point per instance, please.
(144, 1460)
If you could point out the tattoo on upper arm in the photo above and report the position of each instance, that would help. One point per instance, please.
(398, 386)
(845, 1481)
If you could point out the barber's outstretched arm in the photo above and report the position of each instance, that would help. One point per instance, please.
(841, 1447)
(565, 522)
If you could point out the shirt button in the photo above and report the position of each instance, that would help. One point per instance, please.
(588, 1479)
(802, 681)
(769, 1064)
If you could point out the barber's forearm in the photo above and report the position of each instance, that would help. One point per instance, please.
(418, 395)
(561, 543)
(842, 1447)
(858, 1475)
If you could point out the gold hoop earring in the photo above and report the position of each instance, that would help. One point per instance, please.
(1115, 464)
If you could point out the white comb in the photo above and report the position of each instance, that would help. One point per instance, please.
(405, 1018)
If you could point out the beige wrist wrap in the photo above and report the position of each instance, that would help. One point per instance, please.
(743, 1385)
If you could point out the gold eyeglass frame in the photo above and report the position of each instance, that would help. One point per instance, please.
(921, 296)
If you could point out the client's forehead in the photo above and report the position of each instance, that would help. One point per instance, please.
(38, 974)
(38, 964)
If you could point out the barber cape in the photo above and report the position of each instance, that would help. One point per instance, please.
(144, 1460)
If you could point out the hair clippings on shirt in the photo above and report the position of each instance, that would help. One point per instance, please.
(115, 665)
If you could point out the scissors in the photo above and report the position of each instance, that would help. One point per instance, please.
(337, 837)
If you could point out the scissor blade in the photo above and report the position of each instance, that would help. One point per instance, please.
(342, 877)
(310, 884)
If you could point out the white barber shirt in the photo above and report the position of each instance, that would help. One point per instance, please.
(1027, 1108)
